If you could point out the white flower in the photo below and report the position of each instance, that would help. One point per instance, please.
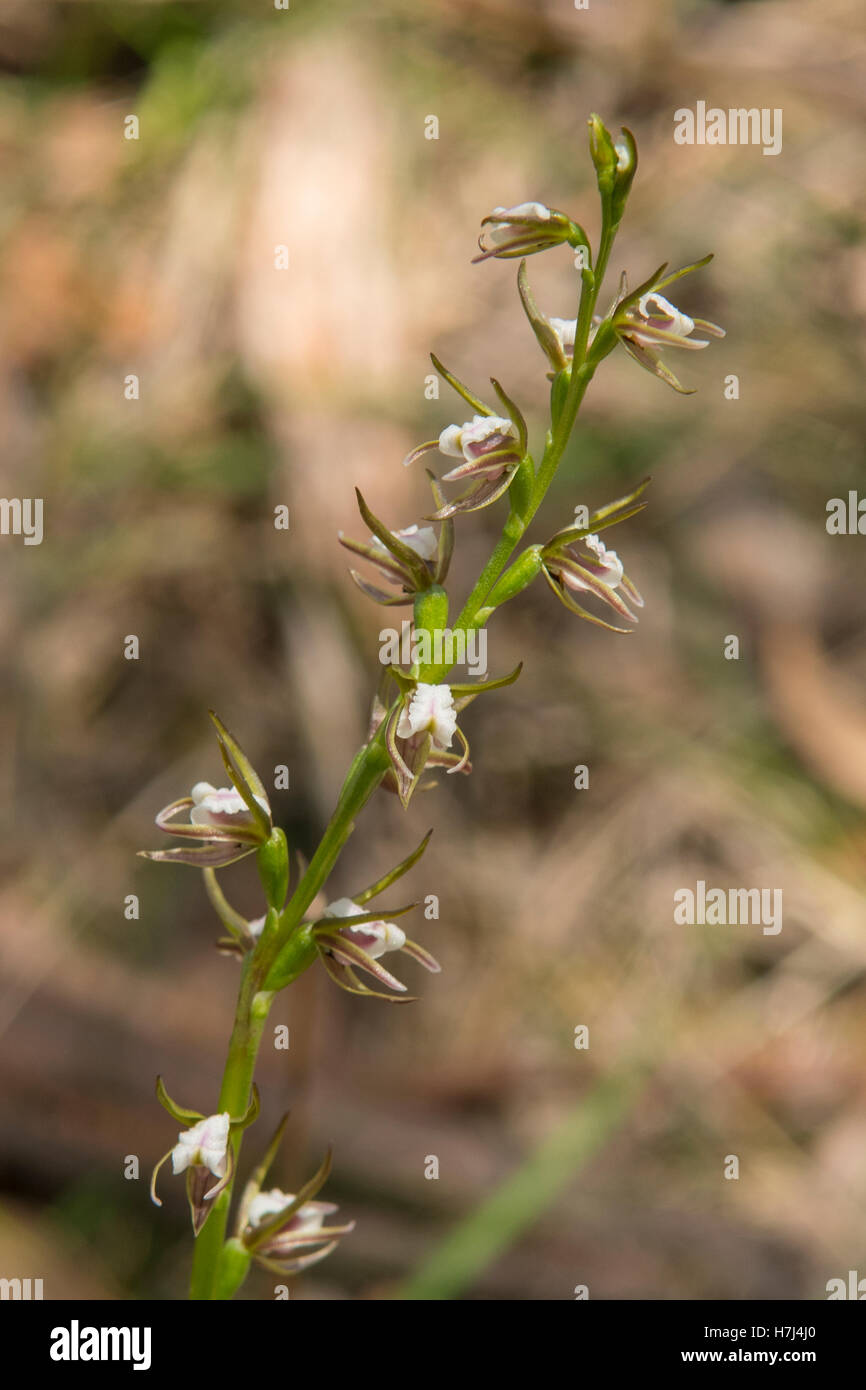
(565, 330)
(503, 230)
(421, 539)
(661, 314)
(221, 806)
(607, 566)
(430, 710)
(256, 926)
(204, 1145)
(376, 938)
(309, 1217)
(478, 436)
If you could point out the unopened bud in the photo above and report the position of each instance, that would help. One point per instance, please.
(273, 864)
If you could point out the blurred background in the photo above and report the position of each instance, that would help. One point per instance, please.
(558, 1167)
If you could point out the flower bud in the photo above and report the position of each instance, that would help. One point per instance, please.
(525, 229)
(431, 611)
(615, 166)
(273, 864)
(516, 578)
(295, 957)
(232, 1270)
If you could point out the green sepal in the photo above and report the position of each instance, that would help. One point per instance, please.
(456, 385)
(651, 283)
(468, 692)
(251, 1114)
(268, 931)
(413, 563)
(232, 1269)
(270, 1154)
(684, 270)
(263, 1233)
(514, 414)
(257, 1178)
(296, 956)
(391, 877)
(177, 1112)
(539, 323)
(522, 487)
(243, 775)
(516, 578)
(231, 919)
(332, 926)
(405, 683)
(273, 864)
(610, 515)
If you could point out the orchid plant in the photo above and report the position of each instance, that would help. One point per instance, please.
(414, 724)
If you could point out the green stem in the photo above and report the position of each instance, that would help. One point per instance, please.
(253, 1005)
(250, 1018)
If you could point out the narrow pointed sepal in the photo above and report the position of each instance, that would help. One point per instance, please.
(456, 385)
(244, 777)
(177, 1112)
(393, 874)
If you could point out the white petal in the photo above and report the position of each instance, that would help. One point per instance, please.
(421, 539)
(565, 330)
(343, 907)
(267, 1204)
(449, 442)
